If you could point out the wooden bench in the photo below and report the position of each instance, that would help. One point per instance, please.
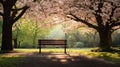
(52, 42)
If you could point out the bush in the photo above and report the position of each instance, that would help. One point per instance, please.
(79, 45)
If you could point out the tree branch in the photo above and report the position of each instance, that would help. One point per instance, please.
(112, 13)
(14, 12)
(17, 9)
(98, 16)
(21, 13)
(83, 21)
(115, 23)
(11, 3)
(115, 29)
(1, 1)
(110, 20)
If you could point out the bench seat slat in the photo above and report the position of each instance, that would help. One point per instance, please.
(52, 42)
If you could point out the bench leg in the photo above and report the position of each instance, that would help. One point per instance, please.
(65, 49)
(39, 48)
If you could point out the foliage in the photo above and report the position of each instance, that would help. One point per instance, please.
(42, 19)
(87, 38)
(79, 45)
(74, 37)
(27, 30)
(116, 38)
(101, 15)
(56, 33)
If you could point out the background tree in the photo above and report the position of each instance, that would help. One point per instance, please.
(102, 15)
(0, 31)
(16, 33)
(116, 38)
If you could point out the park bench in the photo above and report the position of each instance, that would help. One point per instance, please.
(52, 42)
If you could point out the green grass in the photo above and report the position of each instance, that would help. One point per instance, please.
(10, 61)
(54, 50)
(13, 61)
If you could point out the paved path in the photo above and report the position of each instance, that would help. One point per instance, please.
(64, 60)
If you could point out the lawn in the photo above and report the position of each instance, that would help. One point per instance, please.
(13, 60)
(10, 61)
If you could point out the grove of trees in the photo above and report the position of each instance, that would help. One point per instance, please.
(86, 23)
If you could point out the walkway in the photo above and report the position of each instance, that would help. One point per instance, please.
(63, 60)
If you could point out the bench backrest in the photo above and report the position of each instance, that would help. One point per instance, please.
(52, 42)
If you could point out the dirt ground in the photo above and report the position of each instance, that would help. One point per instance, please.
(64, 60)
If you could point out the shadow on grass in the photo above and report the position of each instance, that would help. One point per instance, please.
(52, 59)
(64, 60)
(3, 52)
(114, 57)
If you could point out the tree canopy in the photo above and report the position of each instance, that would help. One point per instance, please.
(101, 15)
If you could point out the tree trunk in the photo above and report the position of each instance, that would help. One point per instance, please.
(9, 18)
(19, 44)
(7, 37)
(15, 40)
(34, 38)
(15, 43)
(7, 30)
(105, 40)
